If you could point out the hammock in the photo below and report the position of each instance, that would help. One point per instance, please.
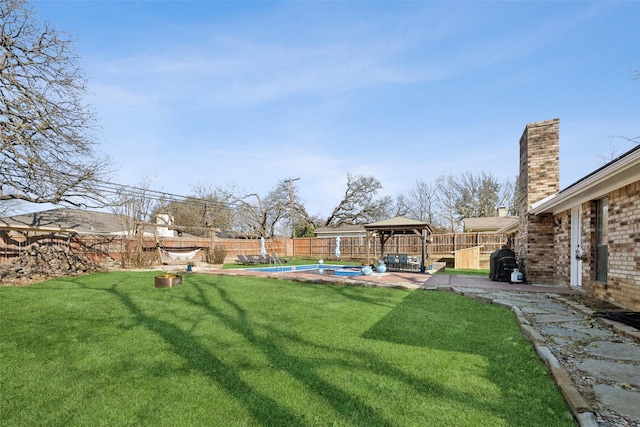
(181, 256)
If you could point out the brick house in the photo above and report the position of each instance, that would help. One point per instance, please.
(585, 236)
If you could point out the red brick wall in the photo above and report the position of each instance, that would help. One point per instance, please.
(562, 247)
(623, 284)
(539, 178)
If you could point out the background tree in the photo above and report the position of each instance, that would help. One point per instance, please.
(398, 206)
(510, 196)
(249, 215)
(477, 195)
(471, 195)
(305, 224)
(305, 229)
(421, 202)
(200, 212)
(270, 215)
(133, 205)
(359, 204)
(46, 146)
(277, 205)
(446, 201)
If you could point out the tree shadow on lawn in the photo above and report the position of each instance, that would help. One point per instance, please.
(267, 410)
(350, 407)
(476, 328)
(306, 371)
(200, 359)
(352, 293)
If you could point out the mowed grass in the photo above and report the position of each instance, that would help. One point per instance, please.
(110, 350)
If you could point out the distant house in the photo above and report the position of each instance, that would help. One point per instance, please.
(70, 220)
(78, 221)
(490, 223)
(585, 236)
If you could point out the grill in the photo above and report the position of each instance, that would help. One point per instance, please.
(501, 264)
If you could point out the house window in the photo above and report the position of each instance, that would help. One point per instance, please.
(602, 242)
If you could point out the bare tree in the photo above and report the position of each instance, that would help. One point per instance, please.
(509, 196)
(421, 202)
(133, 205)
(269, 215)
(401, 207)
(277, 205)
(286, 211)
(446, 200)
(471, 196)
(614, 150)
(46, 146)
(250, 215)
(200, 212)
(478, 195)
(359, 205)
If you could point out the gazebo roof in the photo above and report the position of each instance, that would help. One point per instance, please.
(398, 225)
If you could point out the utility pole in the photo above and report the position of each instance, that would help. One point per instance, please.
(293, 228)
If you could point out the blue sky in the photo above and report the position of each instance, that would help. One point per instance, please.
(251, 93)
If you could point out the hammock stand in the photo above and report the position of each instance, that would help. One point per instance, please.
(177, 256)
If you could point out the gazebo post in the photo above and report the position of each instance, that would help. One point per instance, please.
(423, 238)
(366, 250)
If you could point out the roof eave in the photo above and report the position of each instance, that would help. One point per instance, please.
(21, 227)
(616, 175)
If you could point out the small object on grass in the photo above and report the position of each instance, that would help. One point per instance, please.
(168, 281)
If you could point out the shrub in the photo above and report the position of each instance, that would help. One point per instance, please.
(135, 255)
(217, 255)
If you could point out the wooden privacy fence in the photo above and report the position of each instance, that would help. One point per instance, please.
(440, 245)
(467, 258)
(98, 248)
(447, 244)
(95, 248)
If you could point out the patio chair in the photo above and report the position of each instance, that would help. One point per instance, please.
(243, 260)
(391, 261)
(403, 260)
(254, 259)
(414, 263)
(277, 260)
(247, 260)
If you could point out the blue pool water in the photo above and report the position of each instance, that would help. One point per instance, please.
(338, 270)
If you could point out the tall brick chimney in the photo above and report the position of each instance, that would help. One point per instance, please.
(539, 178)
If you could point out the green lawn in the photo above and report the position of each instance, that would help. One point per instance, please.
(109, 350)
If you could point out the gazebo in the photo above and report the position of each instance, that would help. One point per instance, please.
(398, 225)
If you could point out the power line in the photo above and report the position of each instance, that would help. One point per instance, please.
(111, 188)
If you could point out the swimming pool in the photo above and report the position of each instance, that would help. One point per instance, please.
(328, 269)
